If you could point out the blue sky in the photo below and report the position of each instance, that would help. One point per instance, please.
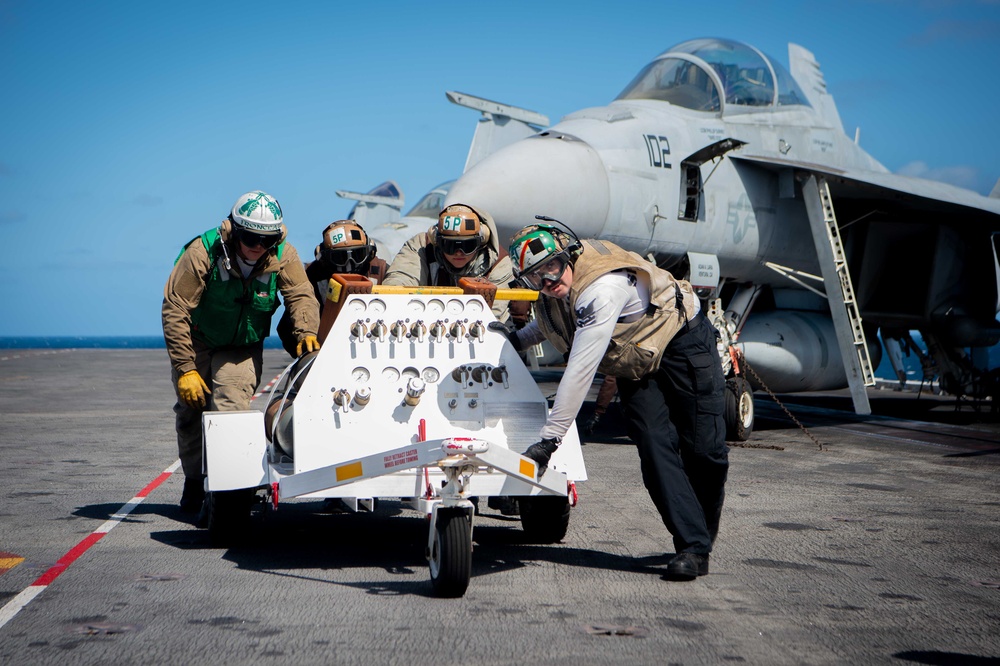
(128, 128)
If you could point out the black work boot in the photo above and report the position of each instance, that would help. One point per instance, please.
(194, 494)
(687, 566)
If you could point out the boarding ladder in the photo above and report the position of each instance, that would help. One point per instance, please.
(846, 319)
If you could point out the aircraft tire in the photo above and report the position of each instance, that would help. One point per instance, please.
(545, 519)
(739, 413)
(229, 515)
(451, 554)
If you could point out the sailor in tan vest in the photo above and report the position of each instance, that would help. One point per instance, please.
(617, 313)
(463, 243)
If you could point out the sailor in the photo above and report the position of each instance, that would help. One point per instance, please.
(621, 315)
(463, 243)
(346, 248)
(217, 307)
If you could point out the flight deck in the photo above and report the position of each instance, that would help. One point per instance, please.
(878, 546)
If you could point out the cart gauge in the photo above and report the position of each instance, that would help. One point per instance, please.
(355, 307)
(435, 306)
(455, 307)
(416, 306)
(410, 373)
(360, 374)
(431, 375)
(473, 307)
(376, 307)
(390, 374)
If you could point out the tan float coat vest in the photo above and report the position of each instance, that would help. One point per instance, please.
(636, 347)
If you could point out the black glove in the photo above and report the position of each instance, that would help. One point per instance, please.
(591, 424)
(511, 334)
(541, 451)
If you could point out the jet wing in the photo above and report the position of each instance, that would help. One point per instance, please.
(895, 191)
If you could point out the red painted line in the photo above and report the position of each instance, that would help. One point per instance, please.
(9, 610)
(76, 551)
(13, 607)
(154, 484)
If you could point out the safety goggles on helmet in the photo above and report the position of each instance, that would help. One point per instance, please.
(549, 272)
(347, 259)
(463, 244)
(252, 240)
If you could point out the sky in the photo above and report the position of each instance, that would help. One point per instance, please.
(129, 128)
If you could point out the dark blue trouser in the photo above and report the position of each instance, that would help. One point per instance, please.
(675, 417)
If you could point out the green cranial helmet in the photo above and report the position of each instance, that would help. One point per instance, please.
(533, 246)
(257, 212)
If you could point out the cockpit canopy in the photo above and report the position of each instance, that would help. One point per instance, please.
(432, 202)
(692, 73)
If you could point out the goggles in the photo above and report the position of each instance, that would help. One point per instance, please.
(349, 257)
(454, 245)
(551, 271)
(252, 240)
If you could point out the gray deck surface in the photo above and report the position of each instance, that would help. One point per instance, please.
(883, 547)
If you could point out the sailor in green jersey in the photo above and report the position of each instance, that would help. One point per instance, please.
(217, 308)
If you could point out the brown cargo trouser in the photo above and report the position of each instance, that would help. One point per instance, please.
(232, 374)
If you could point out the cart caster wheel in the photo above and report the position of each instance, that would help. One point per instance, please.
(451, 555)
(739, 410)
(228, 515)
(545, 519)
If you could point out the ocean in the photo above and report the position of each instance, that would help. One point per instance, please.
(98, 342)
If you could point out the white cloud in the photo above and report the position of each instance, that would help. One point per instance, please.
(961, 176)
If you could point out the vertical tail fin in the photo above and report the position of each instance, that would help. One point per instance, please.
(499, 125)
(809, 76)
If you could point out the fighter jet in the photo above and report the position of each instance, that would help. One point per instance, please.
(735, 173)
(378, 210)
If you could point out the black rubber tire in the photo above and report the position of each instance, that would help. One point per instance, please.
(545, 519)
(228, 518)
(739, 414)
(451, 555)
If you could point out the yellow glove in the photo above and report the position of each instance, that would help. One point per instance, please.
(307, 345)
(192, 389)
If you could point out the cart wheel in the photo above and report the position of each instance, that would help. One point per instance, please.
(451, 554)
(739, 410)
(545, 519)
(229, 515)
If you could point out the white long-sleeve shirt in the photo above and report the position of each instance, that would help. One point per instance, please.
(598, 308)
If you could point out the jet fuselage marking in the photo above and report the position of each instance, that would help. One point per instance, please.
(741, 217)
(657, 154)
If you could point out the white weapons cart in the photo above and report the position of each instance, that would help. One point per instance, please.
(412, 396)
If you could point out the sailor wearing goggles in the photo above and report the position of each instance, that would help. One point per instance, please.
(463, 243)
(616, 313)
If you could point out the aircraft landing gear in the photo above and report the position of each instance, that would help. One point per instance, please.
(739, 413)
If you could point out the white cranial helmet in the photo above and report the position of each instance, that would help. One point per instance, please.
(258, 212)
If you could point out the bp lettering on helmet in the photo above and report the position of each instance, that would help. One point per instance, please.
(452, 223)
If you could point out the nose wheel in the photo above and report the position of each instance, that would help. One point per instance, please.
(739, 414)
(450, 552)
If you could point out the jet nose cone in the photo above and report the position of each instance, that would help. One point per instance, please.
(551, 174)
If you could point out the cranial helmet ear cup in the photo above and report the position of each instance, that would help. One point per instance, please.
(574, 249)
